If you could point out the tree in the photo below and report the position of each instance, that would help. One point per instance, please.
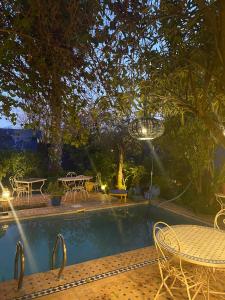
(186, 68)
(44, 45)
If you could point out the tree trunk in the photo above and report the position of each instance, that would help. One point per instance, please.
(55, 148)
(120, 181)
(55, 134)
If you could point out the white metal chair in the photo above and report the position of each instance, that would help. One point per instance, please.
(171, 267)
(220, 198)
(80, 188)
(19, 189)
(71, 174)
(98, 182)
(219, 221)
(69, 185)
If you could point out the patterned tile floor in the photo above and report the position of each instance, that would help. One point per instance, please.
(135, 280)
(42, 281)
(140, 284)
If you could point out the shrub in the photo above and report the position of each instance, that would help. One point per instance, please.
(23, 163)
(55, 189)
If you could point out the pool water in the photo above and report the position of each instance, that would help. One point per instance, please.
(87, 235)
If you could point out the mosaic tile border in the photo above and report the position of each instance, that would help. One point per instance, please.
(73, 284)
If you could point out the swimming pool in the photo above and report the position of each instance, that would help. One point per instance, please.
(87, 235)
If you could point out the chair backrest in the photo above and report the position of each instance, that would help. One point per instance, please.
(71, 174)
(98, 178)
(164, 234)
(12, 182)
(81, 182)
(219, 221)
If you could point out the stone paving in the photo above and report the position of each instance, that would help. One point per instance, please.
(69, 205)
(47, 280)
(140, 283)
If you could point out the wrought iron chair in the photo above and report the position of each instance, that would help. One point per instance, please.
(172, 268)
(220, 198)
(80, 188)
(69, 185)
(219, 221)
(97, 183)
(19, 189)
(71, 174)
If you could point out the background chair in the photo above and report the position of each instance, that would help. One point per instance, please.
(219, 221)
(98, 182)
(71, 174)
(19, 189)
(171, 267)
(220, 198)
(69, 185)
(80, 188)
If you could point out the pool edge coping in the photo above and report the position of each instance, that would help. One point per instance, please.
(70, 212)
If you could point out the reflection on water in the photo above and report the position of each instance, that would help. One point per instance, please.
(3, 229)
(87, 236)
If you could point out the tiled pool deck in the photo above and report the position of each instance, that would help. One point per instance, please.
(130, 275)
(47, 283)
(95, 201)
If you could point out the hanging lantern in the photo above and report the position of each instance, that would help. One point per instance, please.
(146, 128)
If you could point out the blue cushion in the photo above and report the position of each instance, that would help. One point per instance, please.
(118, 192)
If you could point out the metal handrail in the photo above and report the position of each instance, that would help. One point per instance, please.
(19, 255)
(63, 245)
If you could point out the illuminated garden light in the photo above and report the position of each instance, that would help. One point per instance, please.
(5, 194)
(146, 128)
(103, 187)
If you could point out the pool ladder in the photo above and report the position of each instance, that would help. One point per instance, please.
(59, 239)
(19, 255)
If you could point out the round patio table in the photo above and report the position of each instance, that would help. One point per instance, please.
(199, 245)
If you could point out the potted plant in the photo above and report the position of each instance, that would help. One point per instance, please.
(56, 192)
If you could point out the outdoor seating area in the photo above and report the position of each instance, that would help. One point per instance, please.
(73, 189)
(112, 150)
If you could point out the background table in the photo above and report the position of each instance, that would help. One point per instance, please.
(75, 183)
(30, 181)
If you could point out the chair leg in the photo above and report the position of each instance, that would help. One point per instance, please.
(158, 292)
(74, 196)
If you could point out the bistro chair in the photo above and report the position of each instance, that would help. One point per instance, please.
(80, 188)
(171, 267)
(18, 189)
(97, 183)
(219, 221)
(69, 185)
(71, 174)
(220, 198)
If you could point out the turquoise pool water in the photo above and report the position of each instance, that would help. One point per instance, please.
(88, 236)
